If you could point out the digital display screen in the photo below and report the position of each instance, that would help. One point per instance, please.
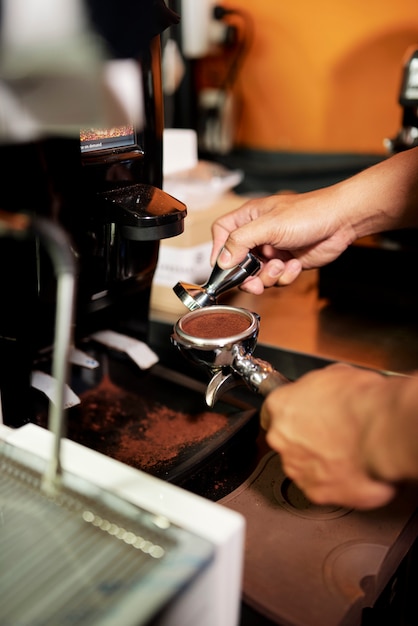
(97, 139)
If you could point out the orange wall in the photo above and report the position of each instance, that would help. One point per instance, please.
(324, 75)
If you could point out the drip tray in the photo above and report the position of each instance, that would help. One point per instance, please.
(157, 421)
(85, 556)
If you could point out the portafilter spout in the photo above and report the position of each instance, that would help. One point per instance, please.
(222, 339)
(199, 296)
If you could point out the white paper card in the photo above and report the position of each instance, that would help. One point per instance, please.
(78, 357)
(137, 350)
(48, 385)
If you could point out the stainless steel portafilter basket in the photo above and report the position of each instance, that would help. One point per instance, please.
(220, 281)
(222, 338)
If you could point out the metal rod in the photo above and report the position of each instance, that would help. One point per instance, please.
(58, 245)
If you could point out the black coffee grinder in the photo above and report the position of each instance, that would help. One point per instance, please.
(104, 188)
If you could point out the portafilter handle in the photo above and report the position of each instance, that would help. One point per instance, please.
(220, 281)
(260, 376)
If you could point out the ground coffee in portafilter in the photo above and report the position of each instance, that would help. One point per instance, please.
(216, 325)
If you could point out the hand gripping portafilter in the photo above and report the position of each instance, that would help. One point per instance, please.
(222, 339)
(199, 296)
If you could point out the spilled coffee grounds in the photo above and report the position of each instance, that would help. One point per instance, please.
(142, 433)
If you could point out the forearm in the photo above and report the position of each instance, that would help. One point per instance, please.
(390, 442)
(308, 230)
(387, 195)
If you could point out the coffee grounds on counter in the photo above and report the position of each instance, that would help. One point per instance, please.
(137, 432)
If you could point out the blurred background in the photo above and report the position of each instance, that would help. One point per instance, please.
(273, 79)
(296, 96)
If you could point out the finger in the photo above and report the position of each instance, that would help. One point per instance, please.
(267, 277)
(225, 225)
(239, 242)
(361, 496)
(353, 488)
(265, 418)
(253, 285)
(291, 271)
(219, 236)
(227, 259)
(280, 273)
(374, 496)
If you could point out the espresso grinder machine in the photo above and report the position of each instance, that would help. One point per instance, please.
(104, 189)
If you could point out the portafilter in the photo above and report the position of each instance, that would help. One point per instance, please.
(222, 339)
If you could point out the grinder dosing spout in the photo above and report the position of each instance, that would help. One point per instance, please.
(222, 339)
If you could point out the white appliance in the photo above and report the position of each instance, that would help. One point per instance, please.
(200, 584)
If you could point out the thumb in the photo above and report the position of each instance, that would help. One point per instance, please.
(228, 257)
(244, 237)
(264, 418)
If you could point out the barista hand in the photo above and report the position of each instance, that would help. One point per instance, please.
(346, 435)
(292, 232)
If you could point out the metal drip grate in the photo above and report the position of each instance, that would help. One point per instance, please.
(85, 556)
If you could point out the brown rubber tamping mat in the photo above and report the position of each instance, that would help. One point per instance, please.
(308, 565)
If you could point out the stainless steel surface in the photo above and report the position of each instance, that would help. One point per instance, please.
(219, 282)
(259, 375)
